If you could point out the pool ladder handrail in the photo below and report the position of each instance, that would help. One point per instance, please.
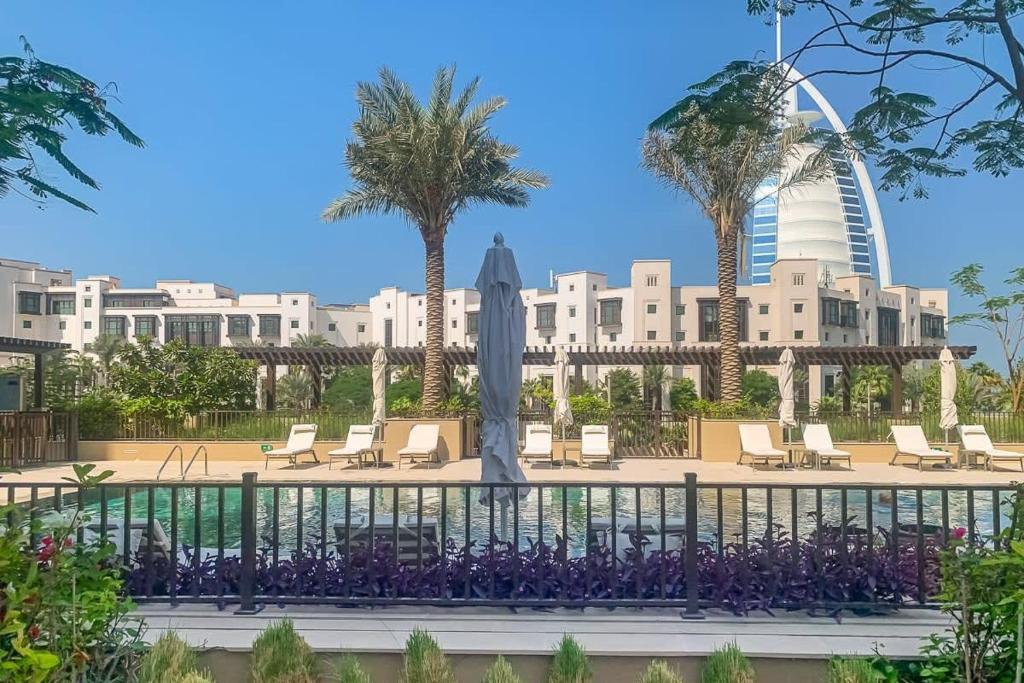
(182, 467)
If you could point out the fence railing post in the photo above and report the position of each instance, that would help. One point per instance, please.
(247, 580)
(691, 572)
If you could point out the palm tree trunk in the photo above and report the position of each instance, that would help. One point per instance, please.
(433, 367)
(730, 372)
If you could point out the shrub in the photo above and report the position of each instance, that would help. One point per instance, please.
(759, 388)
(727, 665)
(281, 655)
(424, 661)
(570, 663)
(168, 660)
(350, 671)
(195, 677)
(660, 672)
(501, 672)
(842, 670)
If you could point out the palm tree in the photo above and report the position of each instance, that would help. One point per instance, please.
(310, 341)
(654, 378)
(871, 382)
(428, 163)
(720, 147)
(295, 390)
(105, 348)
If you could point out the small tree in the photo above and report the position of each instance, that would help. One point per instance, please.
(570, 663)
(623, 387)
(281, 655)
(1001, 315)
(654, 378)
(683, 395)
(760, 388)
(424, 661)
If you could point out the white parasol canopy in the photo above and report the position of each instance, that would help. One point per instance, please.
(787, 406)
(948, 418)
(379, 366)
(560, 388)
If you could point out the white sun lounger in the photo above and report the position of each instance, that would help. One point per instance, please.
(422, 444)
(358, 445)
(137, 536)
(300, 442)
(594, 443)
(756, 444)
(537, 443)
(911, 443)
(975, 443)
(818, 442)
(409, 542)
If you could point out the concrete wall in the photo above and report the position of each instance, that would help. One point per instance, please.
(469, 668)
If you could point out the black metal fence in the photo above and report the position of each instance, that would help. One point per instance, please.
(37, 438)
(687, 545)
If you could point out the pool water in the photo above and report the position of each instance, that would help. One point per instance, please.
(563, 510)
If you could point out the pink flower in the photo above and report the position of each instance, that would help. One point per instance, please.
(33, 632)
(959, 533)
(48, 549)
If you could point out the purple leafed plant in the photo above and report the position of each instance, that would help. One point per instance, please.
(823, 571)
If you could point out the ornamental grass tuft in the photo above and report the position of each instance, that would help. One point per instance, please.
(281, 655)
(501, 672)
(660, 672)
(350, 671)
(570, 663)
(842, 670)
(169, 660)
(727, 665)
(424, 661)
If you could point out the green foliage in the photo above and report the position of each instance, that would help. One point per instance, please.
(589, 409)
(295, 390)
(350, 671)
(404, 407)
(683, 394)
(168, 660)
(281, 655)
(63, 616)
(501, 672)
(660, 672)
(843, 670)
(727, 410)
(759, 388)
(1000, 316)
(870, 385)
(195, 677)
(99, 413)
(570, 663)
(174, 380)
(404, 390)
(623, 386)
(727, 665)
(424, 662)
(827, 405)
(537, 393)
(350, 388)
(39, 101)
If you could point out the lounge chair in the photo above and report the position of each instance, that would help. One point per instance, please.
(594, 443)
(756, 444)
(409, 541)
(537, 443)
(137, 537)
(422, 444)
(300, 442)
(625, 529)
(358, 445)
(975, 444)
(911, 443)
(818, 443)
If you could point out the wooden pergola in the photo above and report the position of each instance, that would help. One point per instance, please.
(704, 356)
(35, 348)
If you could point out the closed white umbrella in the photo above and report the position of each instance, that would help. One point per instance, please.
(560, 389)
(499, 358)
(948, 418)
(787, 404)
(380, 364)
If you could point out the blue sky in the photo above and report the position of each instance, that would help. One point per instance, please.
(245, 108)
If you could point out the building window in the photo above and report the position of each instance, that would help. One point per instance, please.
(455, 323)
(680, 336)
(798, 308)
(826, 336)
(547, 340)
(389, 333)
(572, 288)
(707, 330)
(132, 301)
(64, 305)
(798, 334)
(194, 330)
(762, 309)
(113, 325)
(681, 309)
(611, 311)
(332, 327)
(652, 280)
(87, 325)
(88, 288)
(888, 327)
(652, 309)
(593, 287)
(830, 311)
(238, 325)
(87, 302)
(762, 335)
(572, 311)
(361, 327)
(844, 338)
(419, 323)
(270, 325)
(798, 279)
(572, 336)
(612, 336)
(295, 302)
(848, 314)
(473, 322)
(26, 324)
(388, 305)
(29, 303)
(933, 326)
(145, 326)
(652, 335)
(294, 324)
(62, 325)
(546, 317)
